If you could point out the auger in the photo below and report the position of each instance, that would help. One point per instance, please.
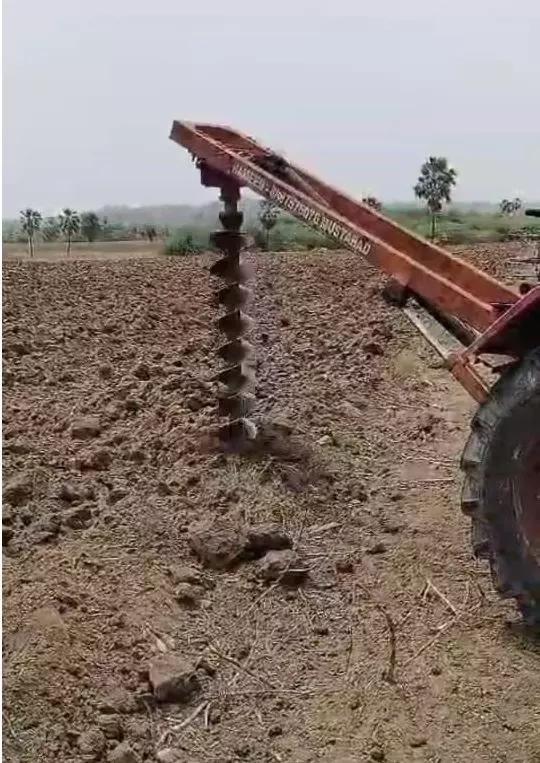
(488, 323)
(237, 380)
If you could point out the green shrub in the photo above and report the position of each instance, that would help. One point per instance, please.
(183, 243)
(503, 232)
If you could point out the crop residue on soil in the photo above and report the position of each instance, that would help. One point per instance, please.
(316, 600)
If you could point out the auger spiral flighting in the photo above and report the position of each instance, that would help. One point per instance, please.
(236, 400)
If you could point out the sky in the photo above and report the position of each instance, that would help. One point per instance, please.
(357, 91)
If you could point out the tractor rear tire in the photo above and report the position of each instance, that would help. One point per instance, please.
(501, 489)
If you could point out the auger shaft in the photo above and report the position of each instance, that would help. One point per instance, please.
(237, 380)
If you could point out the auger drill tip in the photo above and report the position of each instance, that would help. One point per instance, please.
(238, 433)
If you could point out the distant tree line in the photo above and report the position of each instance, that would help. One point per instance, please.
(274, 229)
(70, 226)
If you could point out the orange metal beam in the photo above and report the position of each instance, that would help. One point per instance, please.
(453, 285)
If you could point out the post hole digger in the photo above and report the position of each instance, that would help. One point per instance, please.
(471, 319)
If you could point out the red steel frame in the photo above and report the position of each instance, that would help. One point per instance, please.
(452, 285)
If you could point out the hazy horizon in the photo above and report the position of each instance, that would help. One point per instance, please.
(124, 212)
(360, 95)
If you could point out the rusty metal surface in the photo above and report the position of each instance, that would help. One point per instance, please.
(516, 331)
(461, 368)
(237, 379)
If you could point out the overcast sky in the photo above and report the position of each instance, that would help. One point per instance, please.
(360, 92)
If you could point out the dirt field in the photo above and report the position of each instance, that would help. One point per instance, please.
(381, 641)
(100, 250)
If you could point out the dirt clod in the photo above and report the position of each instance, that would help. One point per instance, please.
(123, 753)
(18, 446)
(182, 573)
(373, 348)
(187, 595)
(377, 548)
(18, 489)
(218, 545)
(68, 493)
(169, 755)
(97, 460)
(117, 700)
(105, 371)
(263, 538)
(326, 439)
(172, 678)
(286, 566)
(78, 517)
(117, 492)
(345, 565)
(195, 403)
(111, 726)
(321, 630)
(7, 535)
(92, 743)
(85, 428)
(142, 371)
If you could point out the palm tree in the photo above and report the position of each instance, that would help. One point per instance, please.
(268, 217)
(510, 206)
(70, 223)
(30, 223)
(434, 186)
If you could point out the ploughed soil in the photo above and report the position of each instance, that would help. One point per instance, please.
(314, 600)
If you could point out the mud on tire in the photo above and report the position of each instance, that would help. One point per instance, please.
(501, 489)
